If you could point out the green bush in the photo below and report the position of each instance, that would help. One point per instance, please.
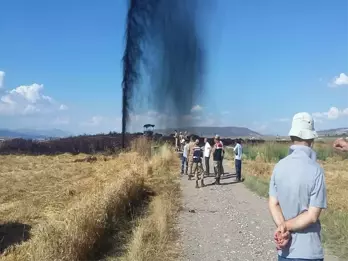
(270, 151)
(273, 151)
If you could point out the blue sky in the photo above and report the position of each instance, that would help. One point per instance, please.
(60, 65)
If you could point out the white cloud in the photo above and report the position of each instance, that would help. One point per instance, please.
(61, 121)
(332, 114)
(28, 99)
(63, 107)
(196, 108)
(7, 99)
(342, 79)
(161, 120)
(101, 124)
(30, 109)
(2, 77)
(136, 121)
(31, 93)
(94, 121)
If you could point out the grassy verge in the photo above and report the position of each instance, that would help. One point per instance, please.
(83, 211)
(258, 185)
(153, 238)
(258, 167)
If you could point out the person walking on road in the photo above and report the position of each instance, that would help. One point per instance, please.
(197, 164)
(217, 158)
(297, 195)
(184, 162)
(207, 152)
(238, 151)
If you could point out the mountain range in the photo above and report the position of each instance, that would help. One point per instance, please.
(201, 131)
(333, 132)
(33, 134)
(211, 131)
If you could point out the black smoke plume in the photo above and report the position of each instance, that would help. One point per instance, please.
(163, 45)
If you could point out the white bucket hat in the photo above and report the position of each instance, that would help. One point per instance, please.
(303, 126)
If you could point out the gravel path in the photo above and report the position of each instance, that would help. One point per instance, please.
(226, 222)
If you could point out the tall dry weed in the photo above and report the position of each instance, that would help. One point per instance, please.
(153, 238)
(78, 203)
(142, 145)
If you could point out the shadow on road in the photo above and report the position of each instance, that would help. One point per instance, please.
(221, 183)
(226, 175)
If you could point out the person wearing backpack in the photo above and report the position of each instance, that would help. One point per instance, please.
(197, 164)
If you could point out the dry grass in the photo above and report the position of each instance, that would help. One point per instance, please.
(335, 218)
(74, 207)
(154, 236)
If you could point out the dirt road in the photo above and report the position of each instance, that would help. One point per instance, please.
(226, 222)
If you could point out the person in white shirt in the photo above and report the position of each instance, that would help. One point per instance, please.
(184, 162)
(238, 151)
(181, 143)
(176, 137)
(207, 152)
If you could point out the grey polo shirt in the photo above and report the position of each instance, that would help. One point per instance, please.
(298, 182)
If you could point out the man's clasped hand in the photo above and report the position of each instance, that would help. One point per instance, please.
(282, 236)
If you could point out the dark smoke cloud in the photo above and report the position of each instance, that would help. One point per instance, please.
(163, 45)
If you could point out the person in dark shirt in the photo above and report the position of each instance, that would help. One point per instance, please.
(217, 158)
(190, 157)
(197, 164)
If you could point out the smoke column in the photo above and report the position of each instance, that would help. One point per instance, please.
(164, 45)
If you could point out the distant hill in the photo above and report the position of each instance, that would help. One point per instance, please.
(33, 134)
(333, 132)
(211, 131)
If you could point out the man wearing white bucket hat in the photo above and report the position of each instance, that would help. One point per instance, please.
(297, 194)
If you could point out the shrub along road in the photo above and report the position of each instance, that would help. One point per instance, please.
(226, 222)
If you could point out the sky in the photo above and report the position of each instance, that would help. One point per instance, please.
(60, 65)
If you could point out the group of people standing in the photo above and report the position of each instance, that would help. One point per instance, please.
(194, 155)
(180, 139)
(297, 190)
